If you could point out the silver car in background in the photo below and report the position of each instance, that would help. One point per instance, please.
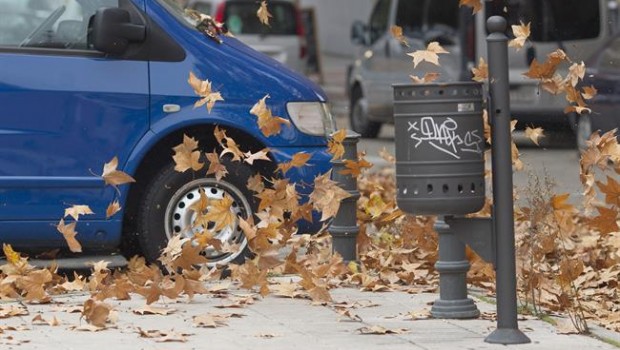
(284, 38)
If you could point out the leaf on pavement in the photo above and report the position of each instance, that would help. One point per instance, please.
(153, 310)
(382, 330)
(96, 313)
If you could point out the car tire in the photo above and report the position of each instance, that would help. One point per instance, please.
(359, 119)
(164, 210)
(583, 131)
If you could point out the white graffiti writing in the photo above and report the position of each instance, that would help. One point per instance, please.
(444, 136)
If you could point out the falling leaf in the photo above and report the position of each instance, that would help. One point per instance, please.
(11, 256)
(215, 167)
(476, 5)
(114, 177)
(547, 69)
(267, 123)
(232, 148)
(260, 155)
(263, 13)
(576, 72)
(297, 161)
(112, 209)
(607, 220)
(382, 330)
(521, 33)
(69, 233)
(326, 196)
(534, 134)
(220, 212)
(354, 168)
(334, 144)
(611, 190)
(256, 183)
(429, 55)
(186, 156)
(481, 73)
(203, 89)
(427, 78)
(589, 92)
(77, 210)
(397, 33)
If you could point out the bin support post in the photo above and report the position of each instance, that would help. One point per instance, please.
(507, 331)
(452, 267)
(344, 229)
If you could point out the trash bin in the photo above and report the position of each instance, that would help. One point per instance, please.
(439, 136)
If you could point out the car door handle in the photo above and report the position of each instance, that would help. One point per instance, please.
(171, 108)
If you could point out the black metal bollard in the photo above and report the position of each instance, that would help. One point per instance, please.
(507, 331)
(344, 229)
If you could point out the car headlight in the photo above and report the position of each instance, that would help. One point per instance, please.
(313, 118)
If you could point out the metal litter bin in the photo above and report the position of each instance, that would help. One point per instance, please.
(439, 135)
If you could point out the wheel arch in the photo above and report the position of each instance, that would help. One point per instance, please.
(156, 151)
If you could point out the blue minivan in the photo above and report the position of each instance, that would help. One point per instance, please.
(84, 81)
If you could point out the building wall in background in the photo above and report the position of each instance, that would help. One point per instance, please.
(334, 19)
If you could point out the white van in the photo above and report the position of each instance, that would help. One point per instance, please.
(576, 26)
(284, 39)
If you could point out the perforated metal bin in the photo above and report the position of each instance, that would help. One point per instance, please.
(439, 135)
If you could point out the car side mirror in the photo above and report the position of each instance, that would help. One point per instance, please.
(358, 33)
(112, 31)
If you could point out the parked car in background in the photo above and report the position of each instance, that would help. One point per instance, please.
(578, 27)
(283, 39)
(602, 72)
(83, 82)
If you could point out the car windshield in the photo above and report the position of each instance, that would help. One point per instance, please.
(553, 20)
(240, 18)
(176, 8)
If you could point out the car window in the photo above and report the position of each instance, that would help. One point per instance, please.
(240, 18)
(552, 20)
(58, 24)
(419, 16)
(379, 19)
(610, 57)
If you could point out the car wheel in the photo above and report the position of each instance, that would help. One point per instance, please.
(359, 118)
(165, 211)
(583, 132)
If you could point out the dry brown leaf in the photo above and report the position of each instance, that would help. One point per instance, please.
(215, 167)
(96, 313)
(153, 310)
(354, 168)
(210, 320)
(11, 256)
(588, 92)
(397, 33)
(611, 190)
(267, 123)
(427, 78)
(429, 55)
(382, 330)
(260, 155)
(521, 33)
(534, 134)
(263, 13)
(297, 161)
(481, 73)
(112, 209)
(8, 310)
(39, 320)
(326, 196)
(69, 233)
(186, 156)
(476, 5)
(203, 89)
(76, 210)
(220, 212)
(334, 144)
(114, 177)
(256, 183)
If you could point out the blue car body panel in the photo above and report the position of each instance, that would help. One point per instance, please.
(64, 116)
